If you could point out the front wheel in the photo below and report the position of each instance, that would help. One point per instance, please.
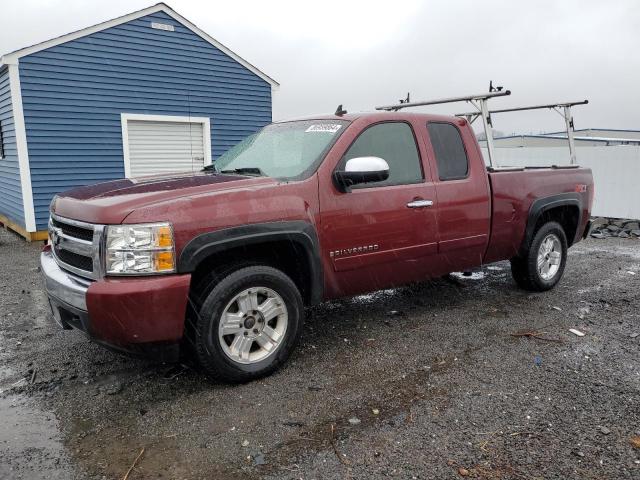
(541, 266)
(248, 324)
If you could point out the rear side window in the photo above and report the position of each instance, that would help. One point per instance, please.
(449, 149)
(393, 142)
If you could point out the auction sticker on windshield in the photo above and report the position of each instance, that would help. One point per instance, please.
(324, 128)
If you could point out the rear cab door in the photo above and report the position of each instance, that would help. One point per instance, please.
(463, 193)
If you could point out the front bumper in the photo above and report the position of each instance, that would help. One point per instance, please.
(62, 286)
(136, 315)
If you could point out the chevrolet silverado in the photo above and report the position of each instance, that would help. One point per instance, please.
(222, 262)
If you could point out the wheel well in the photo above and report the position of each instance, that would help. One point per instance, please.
(289, 257)
(566, 215)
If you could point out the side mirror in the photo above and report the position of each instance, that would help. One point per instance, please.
(361, 170)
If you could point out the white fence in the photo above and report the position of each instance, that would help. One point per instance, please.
(616, 173)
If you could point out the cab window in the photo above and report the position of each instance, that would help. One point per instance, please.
(393, 142)
(451, 157)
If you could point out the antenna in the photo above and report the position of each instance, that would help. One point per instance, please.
(479, 101)
(340, 111)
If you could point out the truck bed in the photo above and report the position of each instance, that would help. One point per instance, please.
(514, 191)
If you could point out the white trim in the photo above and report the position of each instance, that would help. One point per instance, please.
(11, 58)
(125, 117)
(21, 146)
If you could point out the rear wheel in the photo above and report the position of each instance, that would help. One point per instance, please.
(247, 324)
(542, 265)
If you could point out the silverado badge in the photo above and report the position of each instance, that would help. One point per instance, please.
(354, 250)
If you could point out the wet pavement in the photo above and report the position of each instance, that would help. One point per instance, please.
(463, 377)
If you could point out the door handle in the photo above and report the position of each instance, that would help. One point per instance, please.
(419, 203)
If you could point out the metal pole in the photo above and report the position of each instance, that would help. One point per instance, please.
(488, 131)
(568, 120)
(532, 107)
(467, 98)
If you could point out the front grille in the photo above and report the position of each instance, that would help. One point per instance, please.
(73, 230)
(76, 246)
(74, 259)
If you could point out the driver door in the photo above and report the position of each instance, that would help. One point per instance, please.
(379, 234)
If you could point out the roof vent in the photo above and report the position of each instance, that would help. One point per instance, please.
(162, 26)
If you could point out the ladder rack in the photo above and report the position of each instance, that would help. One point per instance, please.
(565, 113)
(479, 101)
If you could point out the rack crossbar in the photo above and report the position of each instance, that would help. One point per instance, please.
(533, 107)
(468, 98)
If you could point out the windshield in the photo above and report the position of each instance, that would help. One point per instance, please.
(288, 150)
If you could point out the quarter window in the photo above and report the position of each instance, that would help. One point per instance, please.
(451, 156)
(394, 142)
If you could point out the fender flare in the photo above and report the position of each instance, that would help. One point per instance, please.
(541, 205)
(301, 233)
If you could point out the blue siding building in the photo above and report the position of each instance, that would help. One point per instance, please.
(142, 94)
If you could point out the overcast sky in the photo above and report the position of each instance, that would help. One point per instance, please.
(366, 53)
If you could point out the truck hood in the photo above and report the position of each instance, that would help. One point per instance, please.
(111, 202)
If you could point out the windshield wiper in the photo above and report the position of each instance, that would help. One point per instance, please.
(240, 171)
(246, 171)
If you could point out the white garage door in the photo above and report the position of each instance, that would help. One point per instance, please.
(157, 146)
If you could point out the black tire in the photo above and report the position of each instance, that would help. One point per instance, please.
(524, 267)
(216, 296)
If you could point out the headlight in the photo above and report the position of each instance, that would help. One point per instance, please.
(139, 249)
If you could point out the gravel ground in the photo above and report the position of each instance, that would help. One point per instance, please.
(426, 381)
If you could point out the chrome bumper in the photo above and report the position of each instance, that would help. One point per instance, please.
(63, 286)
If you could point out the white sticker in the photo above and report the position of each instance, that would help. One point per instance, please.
(324, 128)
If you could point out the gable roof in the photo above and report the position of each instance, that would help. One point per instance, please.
(12, 58)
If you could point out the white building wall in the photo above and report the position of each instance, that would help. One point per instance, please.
(616, 173)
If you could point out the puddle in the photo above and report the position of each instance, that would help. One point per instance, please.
(471, 276)
(30, 445)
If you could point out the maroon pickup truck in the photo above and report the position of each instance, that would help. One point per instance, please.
(222, 262)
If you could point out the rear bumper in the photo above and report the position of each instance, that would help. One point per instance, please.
(135, 315)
